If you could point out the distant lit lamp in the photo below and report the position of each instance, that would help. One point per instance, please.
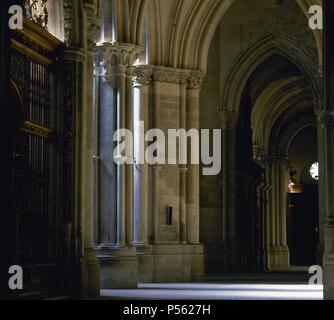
(293, 186)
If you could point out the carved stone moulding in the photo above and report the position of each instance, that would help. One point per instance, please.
(75, 54)
(113, 59)
(33, 42)
(145, 74)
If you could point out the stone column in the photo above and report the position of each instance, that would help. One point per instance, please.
(183, 167)
(283, 183)
(321, 192)
(326, 151)
(270, 225)
(279, 252)
(129, 169)
(275, 212)
(116, 60)
(156, 168)
(229, 208)
(193, 175)
(277, 202)
(183, 204)
(106, 168)
(326, 187)
(78, 158)
(156, 204)
(142, 81)
(91, 271)
(261, 207)
(119, 72)
(267, 241)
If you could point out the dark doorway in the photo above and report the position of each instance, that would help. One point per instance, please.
(303, 225)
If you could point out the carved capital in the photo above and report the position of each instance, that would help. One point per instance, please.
(116, 59)
(195, 81)
(184, 78)
(142, 75)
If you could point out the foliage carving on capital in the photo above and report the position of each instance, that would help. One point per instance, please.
(195, 81)
(142, 75)
(116, 59)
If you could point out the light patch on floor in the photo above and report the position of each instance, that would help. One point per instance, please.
(209, 291)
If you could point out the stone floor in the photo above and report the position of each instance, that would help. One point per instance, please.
(231, 287)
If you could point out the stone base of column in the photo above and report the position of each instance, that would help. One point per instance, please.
(284, 253)
(329, 277)
(118, 267)
(145, 263)
(272, 258)
(164, 263)
(278, 258)
(90, 274)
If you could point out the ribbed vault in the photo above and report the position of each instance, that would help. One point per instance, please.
(182, 31)
(281, 97)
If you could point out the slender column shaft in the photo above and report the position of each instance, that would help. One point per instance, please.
(115, 63)
(156, 169)
(192, 209)
(156, 203)
(283, 186)
(270, 223)
(121, 170)
(129, 167)
(141, 124)
(326, 178)
(183, 168)
(322, 194)
(87, 148)
(277, 203)
(106, 176)
(326, 151)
